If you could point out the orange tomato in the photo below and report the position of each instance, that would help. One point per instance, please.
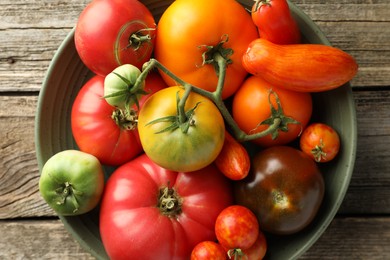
(320, 141)
(300, 67)
(251, 107)
(187, 27)
(233, 160)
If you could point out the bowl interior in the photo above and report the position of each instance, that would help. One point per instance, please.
(67, 74)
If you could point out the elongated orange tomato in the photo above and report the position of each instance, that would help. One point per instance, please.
(233, 160)
(300, 67)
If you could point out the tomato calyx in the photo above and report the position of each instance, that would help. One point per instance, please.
(278, 116)
(235, 253)
(259, 3)
(210, 52)
(318, 151)
(66, 190)
(138, 38)
(183, 119)
(125, 119)
(130, 94)
(169, 202)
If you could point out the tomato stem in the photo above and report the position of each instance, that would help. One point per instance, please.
(318, 151)
(138, 38)
(276, 122)
(236, 253)
(259, 3)
(169, 202)
(125, 119)
(181, 104)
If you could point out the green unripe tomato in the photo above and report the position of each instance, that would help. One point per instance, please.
(119, 89)
(72, 182)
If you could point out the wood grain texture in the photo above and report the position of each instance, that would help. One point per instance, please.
(28, 42)
(48, 239)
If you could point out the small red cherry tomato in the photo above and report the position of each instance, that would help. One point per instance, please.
(258, 250)
(275, 22)
(236, 227)
(208, 250)
(233, 160)
(320, 141)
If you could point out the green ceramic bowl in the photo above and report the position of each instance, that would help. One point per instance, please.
(67, 74)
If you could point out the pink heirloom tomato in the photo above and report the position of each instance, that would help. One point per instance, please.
(148, 212)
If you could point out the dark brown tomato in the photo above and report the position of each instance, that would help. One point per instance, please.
(284, 189)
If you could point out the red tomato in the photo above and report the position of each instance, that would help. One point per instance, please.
(275, 22)
(185, 30)
(258, 250)
(110, 33)
(207, 250)
(236, 227)
(320, 141)
(233, 160)
(148, 212)
(100, 129)
(251, 107)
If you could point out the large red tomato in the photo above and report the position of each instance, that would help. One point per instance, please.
(103, 130)
(190, 34)
(110, 33)
(148, 212)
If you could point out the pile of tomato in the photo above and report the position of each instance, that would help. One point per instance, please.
(173, 106)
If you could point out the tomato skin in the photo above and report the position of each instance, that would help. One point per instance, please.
(187, 26)
(116, 20)
(258, 250)
(96, 133)
(174, 149)
(72, 182)
(233, 160)
(284, 189)
(207, 250)
(320, 141)
(236, 227)
(275, 22)
(299, 67)
(132, 225)
(251, 107)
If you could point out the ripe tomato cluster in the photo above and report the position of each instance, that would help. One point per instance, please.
(176, 106)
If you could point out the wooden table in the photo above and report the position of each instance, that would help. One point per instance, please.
(30, 33)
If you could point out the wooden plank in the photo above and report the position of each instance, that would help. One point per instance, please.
(21, 14)
(353, 238)
(19, 175)
(28, 42)
(38, 239)
(346, 238)
(19, 196)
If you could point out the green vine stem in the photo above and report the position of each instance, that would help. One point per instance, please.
(215, 96)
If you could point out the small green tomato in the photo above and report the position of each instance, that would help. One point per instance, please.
(120, 89)
(72, 182)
